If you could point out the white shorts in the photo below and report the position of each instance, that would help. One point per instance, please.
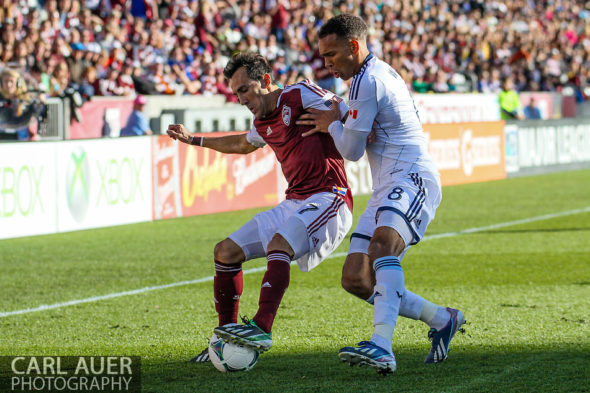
(314, 228)
(406, 205)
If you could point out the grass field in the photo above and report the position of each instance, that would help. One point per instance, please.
(524, 288)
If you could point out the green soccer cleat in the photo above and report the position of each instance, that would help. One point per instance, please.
(248, 335)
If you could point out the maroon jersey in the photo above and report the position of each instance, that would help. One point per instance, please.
(311, 164)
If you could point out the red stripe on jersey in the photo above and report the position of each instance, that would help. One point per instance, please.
(332, 210)
(315, 88)
(334, 214)
(323, 213)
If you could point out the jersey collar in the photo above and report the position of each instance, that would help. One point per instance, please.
(367, 59)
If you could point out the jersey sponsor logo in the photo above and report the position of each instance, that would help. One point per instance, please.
(353, 113)
(286, 115)
(310, 206)
(268, 131)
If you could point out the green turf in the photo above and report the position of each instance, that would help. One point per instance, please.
(525, 291)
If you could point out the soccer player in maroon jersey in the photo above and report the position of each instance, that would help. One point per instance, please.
(307, 226)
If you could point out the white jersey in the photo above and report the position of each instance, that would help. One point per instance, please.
(379, 100)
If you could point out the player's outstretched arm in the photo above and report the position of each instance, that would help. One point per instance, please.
(230, 144)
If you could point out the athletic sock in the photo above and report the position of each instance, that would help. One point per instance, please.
(416, 307)
(435, 316)
(227, 287)
(388, 293)
(411, 305)
(274, 285)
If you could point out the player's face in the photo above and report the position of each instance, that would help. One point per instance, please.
(249, 92)
(338, 56)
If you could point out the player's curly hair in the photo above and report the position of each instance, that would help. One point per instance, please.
(344, 26)
(256, 65)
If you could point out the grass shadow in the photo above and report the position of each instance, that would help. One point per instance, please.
(467, 370)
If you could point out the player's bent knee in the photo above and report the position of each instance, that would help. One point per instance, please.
(279, 243)
(228, 252)
(386, 241)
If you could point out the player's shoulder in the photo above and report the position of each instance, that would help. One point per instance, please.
(307, 93)
(364, 80)
(306, 87)
(385, 74)
(373, 74)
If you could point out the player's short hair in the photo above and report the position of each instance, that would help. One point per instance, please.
(256, 65)
(344, 26)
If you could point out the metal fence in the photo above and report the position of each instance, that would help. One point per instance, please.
(54, 128)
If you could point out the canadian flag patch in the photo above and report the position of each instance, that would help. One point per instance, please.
(353, 113)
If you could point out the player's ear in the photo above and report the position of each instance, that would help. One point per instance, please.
(354, 46)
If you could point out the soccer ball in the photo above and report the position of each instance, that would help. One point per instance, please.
(227, 356)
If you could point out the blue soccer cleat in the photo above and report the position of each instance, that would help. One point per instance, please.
(441, 339)
(370, 354)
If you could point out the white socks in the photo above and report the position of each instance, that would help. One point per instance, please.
(388, 294)
(416, 307)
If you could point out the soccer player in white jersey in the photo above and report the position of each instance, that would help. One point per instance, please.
(406, 192)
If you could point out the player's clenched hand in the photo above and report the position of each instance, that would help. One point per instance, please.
(178, 131)
(321, 120)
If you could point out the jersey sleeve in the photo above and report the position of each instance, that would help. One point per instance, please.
(313, 96)
(363, 105)
(254, 138)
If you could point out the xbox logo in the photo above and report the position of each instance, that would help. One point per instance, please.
(77, 184)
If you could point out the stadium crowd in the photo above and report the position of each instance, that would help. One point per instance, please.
(128, 47)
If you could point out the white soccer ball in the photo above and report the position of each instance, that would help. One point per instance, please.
(226, 356)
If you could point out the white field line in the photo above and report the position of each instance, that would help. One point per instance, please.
(263, 268)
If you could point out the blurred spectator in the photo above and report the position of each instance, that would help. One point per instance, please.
(59, 80)
(76, 62)
(419, 85)
(439, 46)
(15, 105)
(164, 81)
(209, 80)
(442, 83)
(137, 123)
(89, 83)
(125, 81)
(222, 88)
(510, 106)
(109, 86)
(531, 111)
